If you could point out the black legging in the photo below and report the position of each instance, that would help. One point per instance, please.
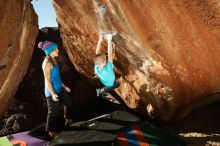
(53, 115)
(111, 88)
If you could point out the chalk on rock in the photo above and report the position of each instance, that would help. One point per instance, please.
(102, 9)
(105, 34)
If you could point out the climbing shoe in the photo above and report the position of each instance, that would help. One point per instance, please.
(68, 122)
(53, 134)
(98, 92)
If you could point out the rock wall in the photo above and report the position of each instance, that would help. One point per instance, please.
(18, 31)
(166, 52)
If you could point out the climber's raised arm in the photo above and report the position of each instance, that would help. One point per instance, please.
(98, 48)
(110, 51)
(104, 68)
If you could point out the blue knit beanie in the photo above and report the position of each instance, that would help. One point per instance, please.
(47, 46)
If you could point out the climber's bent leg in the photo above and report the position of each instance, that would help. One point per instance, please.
(104, 90)
(111, 88)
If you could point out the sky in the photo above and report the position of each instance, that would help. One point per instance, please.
(46, 13)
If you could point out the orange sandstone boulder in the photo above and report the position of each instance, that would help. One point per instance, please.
(18, 31)
(167, 53)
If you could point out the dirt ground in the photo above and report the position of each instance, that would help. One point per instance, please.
(200, 128)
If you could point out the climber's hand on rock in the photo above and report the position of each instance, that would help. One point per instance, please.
(109, 37)
(55, 97)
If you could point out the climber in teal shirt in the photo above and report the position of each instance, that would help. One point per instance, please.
(104, 67)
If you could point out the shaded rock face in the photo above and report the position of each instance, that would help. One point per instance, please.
(166, 52)
(18, 31)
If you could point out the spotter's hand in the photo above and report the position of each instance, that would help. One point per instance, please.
(55, 97)
(67, 89)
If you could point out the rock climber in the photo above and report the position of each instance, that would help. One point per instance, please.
(104, 67)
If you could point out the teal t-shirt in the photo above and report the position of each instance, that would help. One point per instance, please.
(106, 74)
